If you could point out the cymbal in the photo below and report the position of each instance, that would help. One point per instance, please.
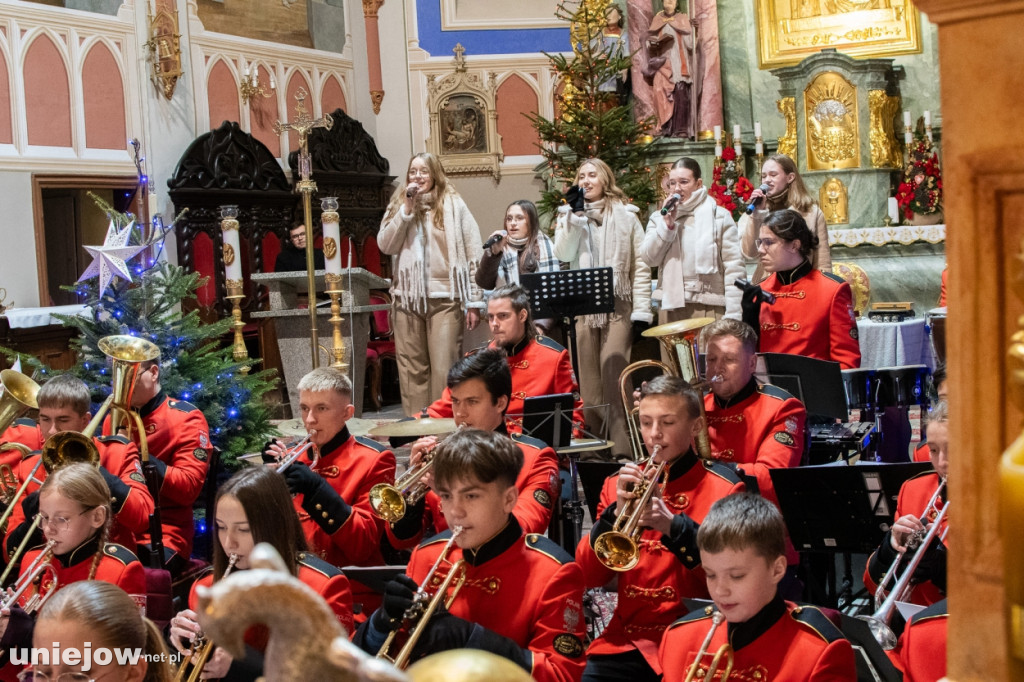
(427, 426)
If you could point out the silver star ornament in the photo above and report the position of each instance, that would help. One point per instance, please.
(110, 259)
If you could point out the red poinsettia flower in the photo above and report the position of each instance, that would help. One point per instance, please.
(729, 154)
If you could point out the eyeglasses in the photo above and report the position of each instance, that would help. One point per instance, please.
(423, 173)
(766, 243)
(59, 524)
(36, 676)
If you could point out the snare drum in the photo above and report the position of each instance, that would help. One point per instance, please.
(860, 387)
(902, 386)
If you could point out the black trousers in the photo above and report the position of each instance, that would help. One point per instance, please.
(629, 665)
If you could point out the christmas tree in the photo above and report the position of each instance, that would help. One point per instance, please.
(920, 190)
(193, 365)
(591, 121)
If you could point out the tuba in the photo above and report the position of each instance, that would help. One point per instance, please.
(19, 396)
(424, 605)
(724, 651)
(199, 652)
(886, 598)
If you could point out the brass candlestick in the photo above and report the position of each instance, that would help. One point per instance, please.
(338, 343)
(235, 295)
(333, 280)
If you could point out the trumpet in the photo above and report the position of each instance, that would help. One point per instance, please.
(201, 648)
(724, 651)
(297, 451)
(886, 598)
(389, 501)
(417, 616)
(619, 548)
(40, 566)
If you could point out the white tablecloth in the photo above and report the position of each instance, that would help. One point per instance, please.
(894, 344)
(21, 318)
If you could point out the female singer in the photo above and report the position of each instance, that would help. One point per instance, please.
(695, 245)
(813, 311)
(786, 189)
(520, 248)
(436, 246)
(91, 615)
(254, 506)
(604, 231)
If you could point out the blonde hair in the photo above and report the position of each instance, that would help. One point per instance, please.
(798, 198)
(84, 484)
(113, 619)
(326, 379)
(604, 171)
(440, 190)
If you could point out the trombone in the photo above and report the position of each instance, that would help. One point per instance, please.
(39, 567)
(417, 616)
(886, 598)
(199, 651)
(619, 548)
(725, 651)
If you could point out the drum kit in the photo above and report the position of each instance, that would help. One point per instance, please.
(884, 395)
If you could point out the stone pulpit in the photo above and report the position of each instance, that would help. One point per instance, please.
(292, 325)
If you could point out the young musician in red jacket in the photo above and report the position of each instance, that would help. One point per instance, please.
(742, 549)
(813, 311)
(75, 514)
(668, 570)
(923, 644)
(523, 594)
(479, 386)
(64, 404)
(332, 495)
(930, 578)
(254, 506)
(539, 366)
(178, 439)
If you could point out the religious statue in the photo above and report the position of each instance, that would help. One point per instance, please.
(674, 69)
(615, 44)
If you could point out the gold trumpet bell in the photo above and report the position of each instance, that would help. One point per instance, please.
(19, 396)
(617, 551)
(387, 502)
(127, 353)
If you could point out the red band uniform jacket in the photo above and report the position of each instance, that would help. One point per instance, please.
(539, 366)
(178, 439)
(781, 643)
(651, 594)
(923, 645)
(812, 316)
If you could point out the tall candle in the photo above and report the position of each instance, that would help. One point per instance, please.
(927, 118)
(232, 248)
(736, 132)
(332, 235)
(759, 148)
(894, 211)
(738, 147)
(718, 151)
(906, 119)
(757, 129)
(718, 134)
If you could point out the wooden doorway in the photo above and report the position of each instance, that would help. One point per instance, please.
(66, 218)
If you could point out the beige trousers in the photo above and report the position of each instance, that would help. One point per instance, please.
(604, 352)
(688, 313)
(426, 346)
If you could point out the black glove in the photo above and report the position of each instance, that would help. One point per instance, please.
(302, 480)
(398, 597)
(443, 633)
(574, 197)
(751, 305)
(639, 327)
(933, 565)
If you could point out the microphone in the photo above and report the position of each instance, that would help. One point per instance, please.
(412, 191)
(745, 284)
(672, 201)
(752, 206)
(495, 239)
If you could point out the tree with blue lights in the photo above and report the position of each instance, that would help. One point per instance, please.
(194, 365)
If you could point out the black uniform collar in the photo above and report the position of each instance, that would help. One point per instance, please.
(505, 538)
(335, 443)
(518, 347)
(790, 276)
(742, 634)
(79, 554)
(683, 464)
(150, 407)
(740, 396)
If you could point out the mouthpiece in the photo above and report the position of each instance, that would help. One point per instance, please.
(717, 379)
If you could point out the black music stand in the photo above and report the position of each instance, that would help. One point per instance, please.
(567, 294)
(549, 418)
(839, 509)
(818, 384)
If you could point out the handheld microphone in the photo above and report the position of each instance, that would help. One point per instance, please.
(672, 201)
(412, 191)
(744, 284)
(495, 239)
(752, 206)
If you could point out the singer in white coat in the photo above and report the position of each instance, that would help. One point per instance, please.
(781, 188)
(695, 246)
